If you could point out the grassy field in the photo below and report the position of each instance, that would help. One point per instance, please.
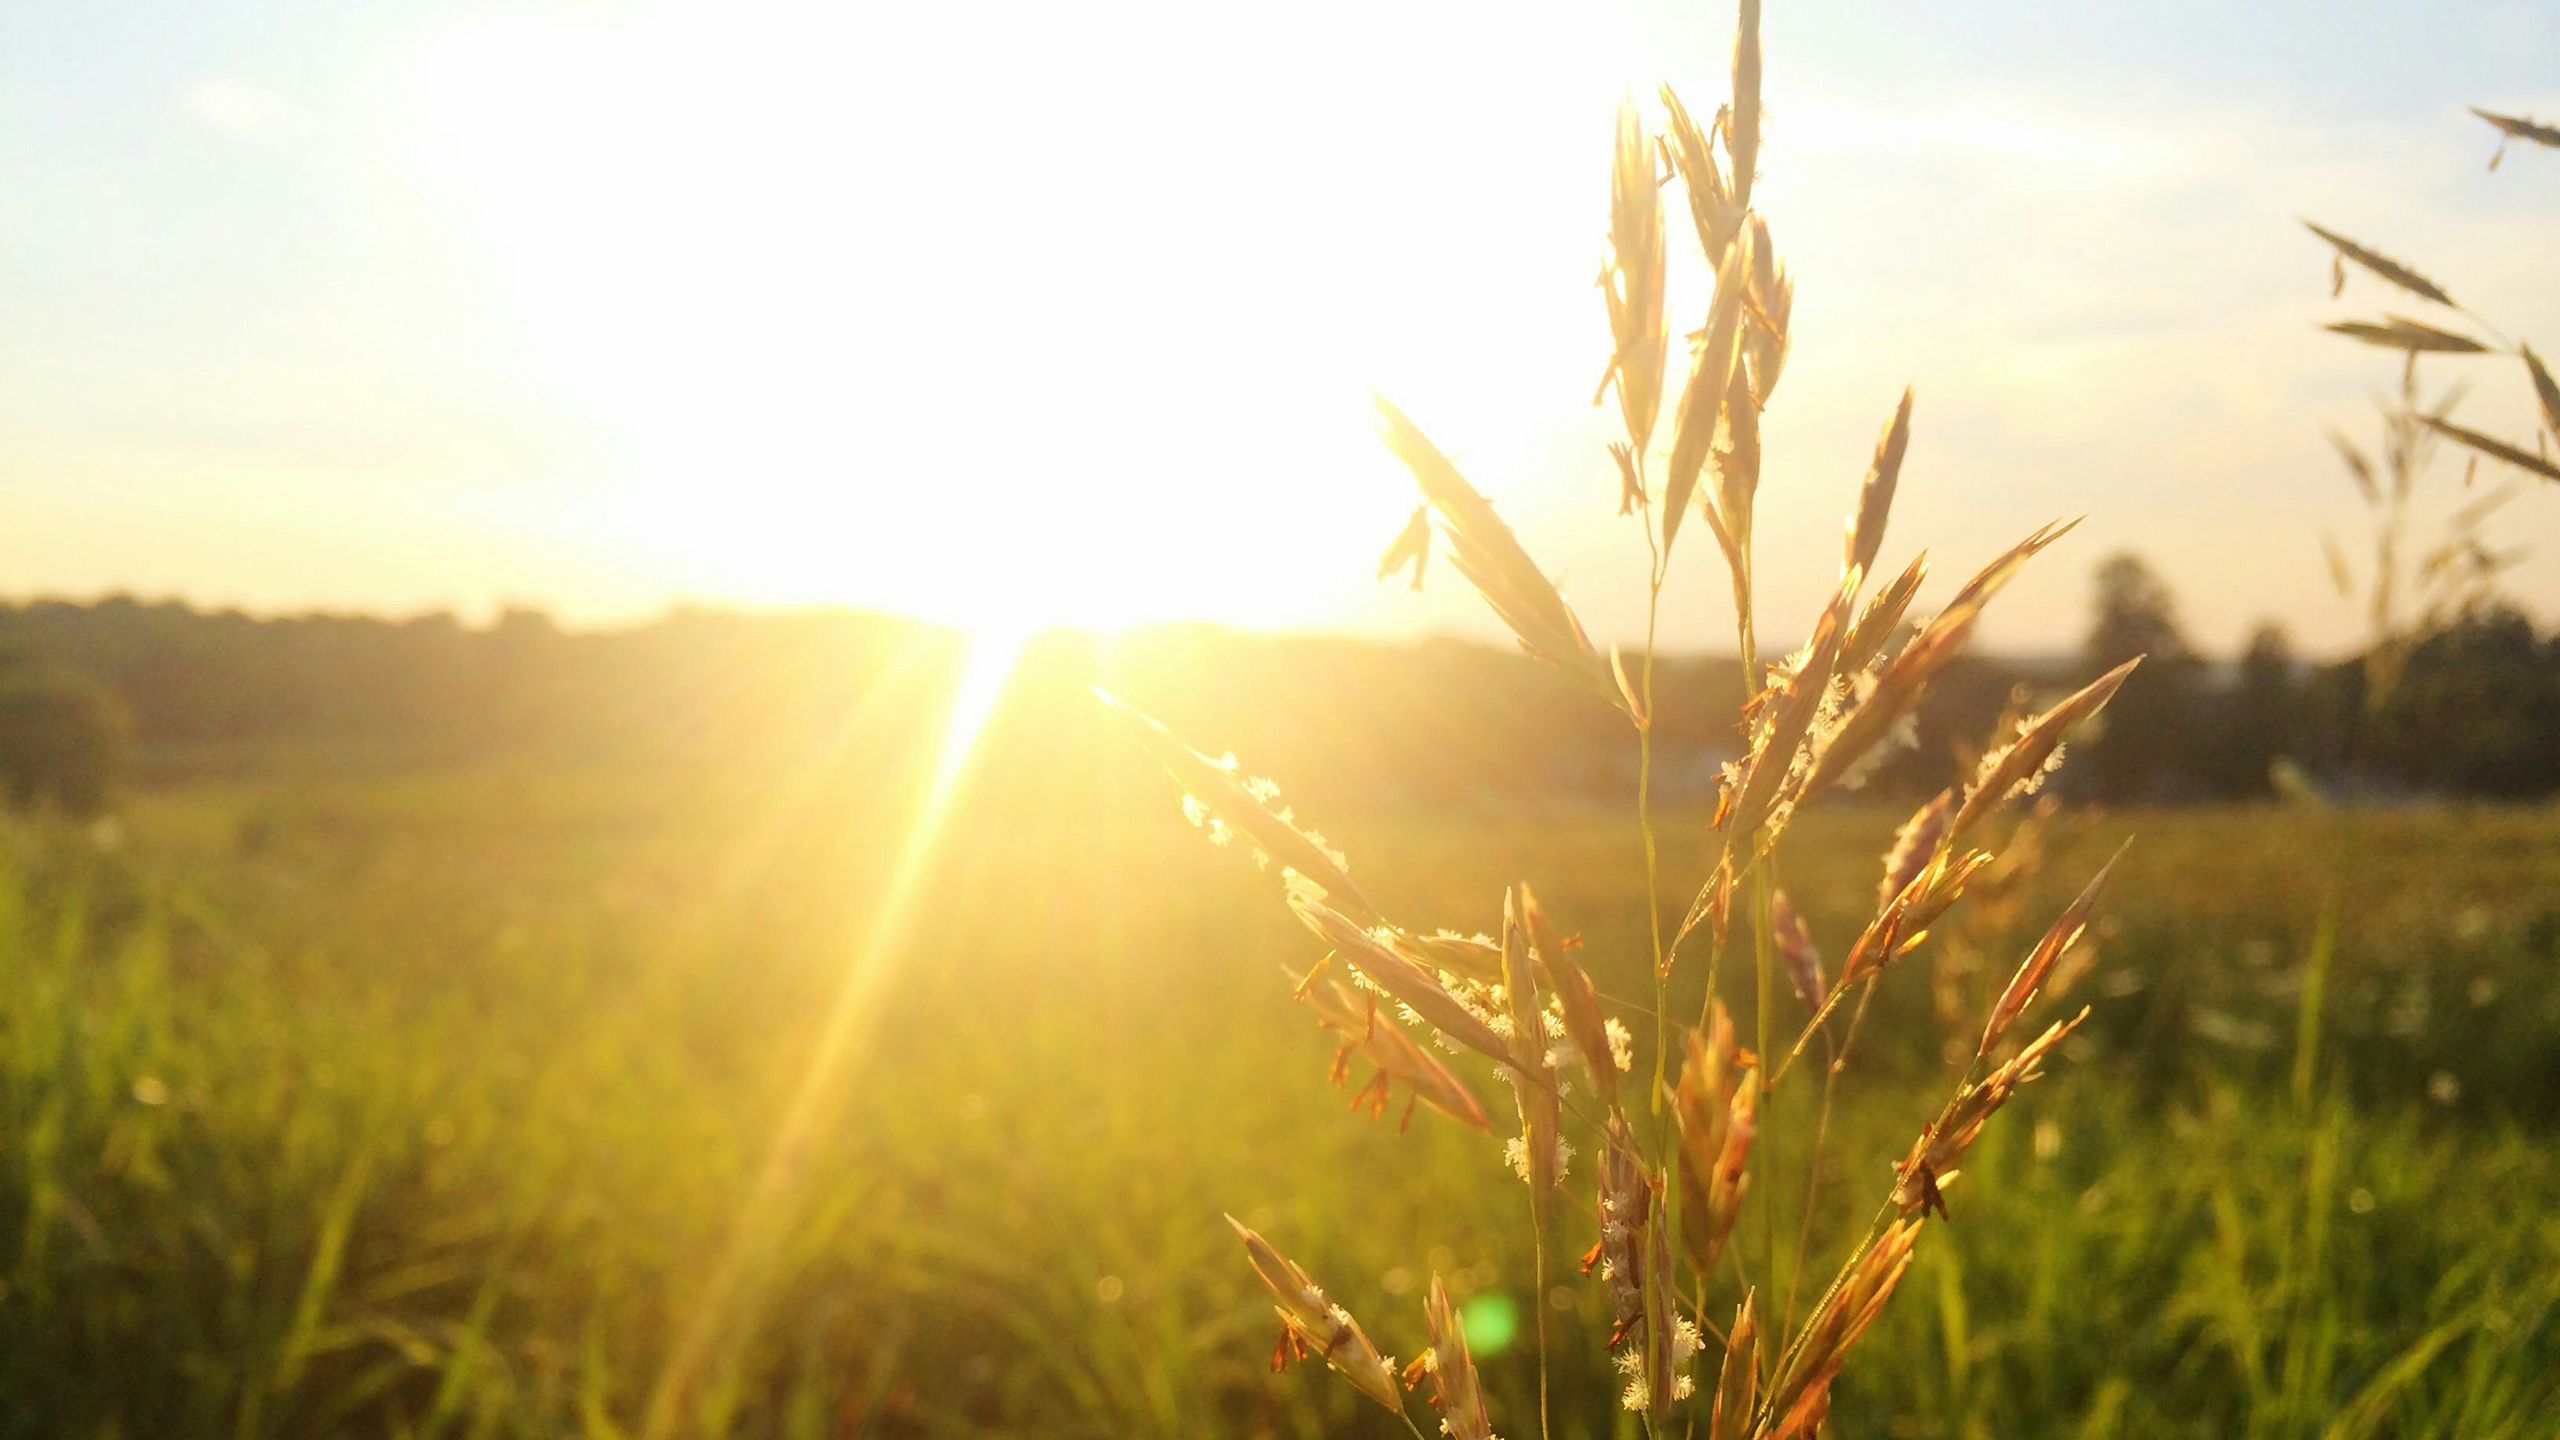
(445, 1105)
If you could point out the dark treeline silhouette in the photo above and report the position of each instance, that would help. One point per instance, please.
(186, 691)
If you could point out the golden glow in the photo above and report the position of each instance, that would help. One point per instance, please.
(845, 349)
(875, 938)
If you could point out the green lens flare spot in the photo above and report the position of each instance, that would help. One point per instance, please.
(1492, 1322)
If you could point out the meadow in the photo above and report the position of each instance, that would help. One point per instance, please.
(446, 1102)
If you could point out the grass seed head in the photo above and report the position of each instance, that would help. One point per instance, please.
(1717, 1109)
(1633, 280)
(1312, 1324)
(1875, 496)
(1489, 555)
(1274, 832)
(1800, 1398)
(2382, 265)
(1586, 1024)
(1397, 1056)
(2060, 937)
(1898, 688)
(1692, 153)
(1738, 1382)
(2021, 763)
(1401, 979)
(1941, 1146)
(1542, 1152)
(1453, 1370)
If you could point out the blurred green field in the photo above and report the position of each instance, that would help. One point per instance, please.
(431, 1106)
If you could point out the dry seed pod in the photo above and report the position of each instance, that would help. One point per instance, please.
(1384, 1044)
(1942, 1143)
(1214, 786)
(2063, 934)
(1311, 1324)
(1401, 978)
(2023, 762)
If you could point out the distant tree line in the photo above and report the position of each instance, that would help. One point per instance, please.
(88, 691)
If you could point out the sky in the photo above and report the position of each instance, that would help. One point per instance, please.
(1011, 314)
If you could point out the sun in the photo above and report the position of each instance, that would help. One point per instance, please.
(842, 346)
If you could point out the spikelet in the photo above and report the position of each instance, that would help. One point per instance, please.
(2399, 332)
(1311, 1324)
(1942, 1143)
(1875, 496)
(1401, 978)
(1738, 1383)
(1625, 1210)
(1585, 1023)
(1452, 1368)
(1384, 1044)
(1883, 612)
(2022, 761)
(1702, 400)
(1772, 304)
(1489, 555)
(2389, 269)
(1541, 1154)
(1737, 460)
(1742, 131)
(1796, 954)
(1801, 1396)
(1717, 1118)
(1897, 690)
(1632, 282)
(2060, 937)
(1213, 785)
(2494, 448)
(1915, 845)
(1786, 715)
(1472, 957)
(1711, 208)
(1670, 1340)
(1412, 546)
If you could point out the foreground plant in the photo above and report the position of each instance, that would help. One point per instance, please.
(1676, 1161)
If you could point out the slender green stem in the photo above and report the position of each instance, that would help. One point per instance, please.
(1407, 1417)
(1644, 826)
(1765, 1151)
(1538, 1302)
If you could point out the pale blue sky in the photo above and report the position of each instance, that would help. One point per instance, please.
(598, 306)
